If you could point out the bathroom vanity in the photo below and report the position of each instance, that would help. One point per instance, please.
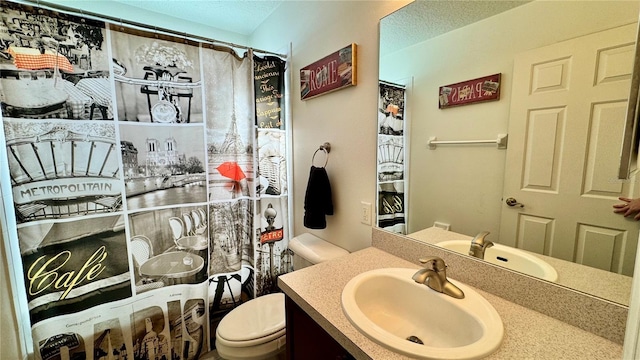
(308, 340)
(317, 290)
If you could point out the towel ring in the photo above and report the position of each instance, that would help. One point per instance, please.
(326, 147)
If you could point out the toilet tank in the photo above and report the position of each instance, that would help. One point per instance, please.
(309, 249)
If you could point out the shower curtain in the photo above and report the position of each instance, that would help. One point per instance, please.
(391, 153)
(145, 184)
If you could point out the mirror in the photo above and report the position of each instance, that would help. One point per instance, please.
(465, 186)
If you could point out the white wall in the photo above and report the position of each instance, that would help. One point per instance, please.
(345, 118)
(462, 185)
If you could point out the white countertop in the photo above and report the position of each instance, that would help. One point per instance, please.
(528, 334)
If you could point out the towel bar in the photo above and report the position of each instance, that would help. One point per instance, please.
(501, 142)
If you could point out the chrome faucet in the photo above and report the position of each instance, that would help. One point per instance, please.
(434, 275)
(479, 245)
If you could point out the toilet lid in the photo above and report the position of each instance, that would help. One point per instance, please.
(254, 319)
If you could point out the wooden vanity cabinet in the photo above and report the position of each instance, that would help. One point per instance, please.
(306, 340)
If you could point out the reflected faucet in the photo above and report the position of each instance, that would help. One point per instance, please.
(434, 275)
(479, 245)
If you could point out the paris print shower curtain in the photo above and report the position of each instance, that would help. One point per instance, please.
(391, 151)
(145, 183)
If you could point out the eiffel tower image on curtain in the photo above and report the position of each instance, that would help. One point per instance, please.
(232, 142)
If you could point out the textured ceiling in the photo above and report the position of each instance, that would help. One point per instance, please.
(238, 16)
(424, 19)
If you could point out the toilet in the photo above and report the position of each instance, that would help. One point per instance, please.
(256, 329)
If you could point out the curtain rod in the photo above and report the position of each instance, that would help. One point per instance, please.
(392, 84)
(120, 21)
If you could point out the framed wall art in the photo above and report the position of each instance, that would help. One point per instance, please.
(333, 72)
(482, 89)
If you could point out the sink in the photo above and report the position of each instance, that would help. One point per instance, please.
(391, 309)
(509, 258)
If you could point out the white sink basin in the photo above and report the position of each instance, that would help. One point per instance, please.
(509, 258)
(389, 307)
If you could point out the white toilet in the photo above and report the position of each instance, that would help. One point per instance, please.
(256, 329)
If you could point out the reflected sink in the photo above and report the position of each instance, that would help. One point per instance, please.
(509, 258)
(391, 309)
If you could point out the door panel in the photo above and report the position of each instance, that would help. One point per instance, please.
(602, 248)
(604, 142)
(543, 148)
(535, 233)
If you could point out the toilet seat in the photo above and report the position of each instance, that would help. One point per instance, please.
(253, 329)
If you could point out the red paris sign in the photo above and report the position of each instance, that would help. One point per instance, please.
(271, 236)
(471, 91)
(333, 72)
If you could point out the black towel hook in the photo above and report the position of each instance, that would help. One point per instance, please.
(326, 147)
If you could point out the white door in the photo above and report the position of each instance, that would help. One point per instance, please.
(567, 114)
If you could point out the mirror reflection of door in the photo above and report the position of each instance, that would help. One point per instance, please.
(566, 124)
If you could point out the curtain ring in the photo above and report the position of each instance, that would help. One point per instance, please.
(326, 147)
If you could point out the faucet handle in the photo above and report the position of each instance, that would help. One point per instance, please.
(435, 263)
(480, 236)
